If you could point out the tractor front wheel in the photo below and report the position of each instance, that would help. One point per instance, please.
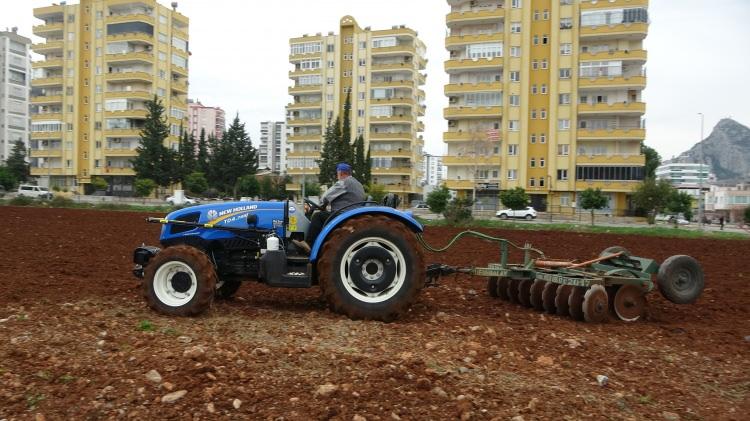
(179, 281)
(371, 267)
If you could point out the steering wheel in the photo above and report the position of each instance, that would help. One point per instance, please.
(312, 204)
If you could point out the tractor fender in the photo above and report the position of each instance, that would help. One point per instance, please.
(406, 218)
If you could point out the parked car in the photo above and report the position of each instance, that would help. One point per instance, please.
(38, 192)
(528, 213)
(187, 200)
(421, 206)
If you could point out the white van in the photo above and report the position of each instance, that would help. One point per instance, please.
(34, 191)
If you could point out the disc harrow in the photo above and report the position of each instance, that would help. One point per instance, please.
(614, 284)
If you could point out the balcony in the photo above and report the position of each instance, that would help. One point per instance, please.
(390, 136)
(394, 153)
(459, 40)
(407, 102)
(468, 160)
(475, 16)
(391, 67)
(392, 84)
(120, 152)
(472, 112)
(46, 116)
(304, 122)
(47, 135)
(48, 47)
(125, 132)
(459, 184)
(303, 154)
(304, 105)
(181, 71)
(624, 55)
(46, 99)
(395, 32)
(117, 171)
(298, 73)
(47, 153)
(392, 171)
(47, 29)
(466, 136)
(47, 81)
(126, 114)
(635, 108)
(305, 89)
(132, 36)
(615, 134)
(406, 119)
(47, 11)
(633, 31)
(456, 88)
(179, 33)
(401, 49)
(40, 171)
(179, 87)
(134, 17)
(303, 171)
(304, 56)
(144, 95)
(614, 82)
(464, 64)
(305, 138)
(590, 5)
(607, 186)
(56, 62)
(137, 76)
(613, 159)
(141, 56)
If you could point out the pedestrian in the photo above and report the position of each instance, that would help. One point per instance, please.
(721, 222)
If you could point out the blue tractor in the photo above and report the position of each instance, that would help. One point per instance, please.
(367, 260)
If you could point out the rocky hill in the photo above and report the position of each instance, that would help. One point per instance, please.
(726, 149)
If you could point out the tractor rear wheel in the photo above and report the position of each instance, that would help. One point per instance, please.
(371, 267)
(180, 281)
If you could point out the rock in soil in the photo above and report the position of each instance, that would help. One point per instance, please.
(174, 396)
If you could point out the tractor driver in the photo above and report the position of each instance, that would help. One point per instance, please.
(346, 191)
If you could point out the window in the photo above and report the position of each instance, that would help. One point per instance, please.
(566, 23)
(160, 92)
(381, 111)
(515, 100)
(515, 4)
(532, 163)
(362, 45)
(512, 150)
(514, 125)
(541, 162)
(563, 124)
(542, 138)
(534, 65)
(544, 88)
(533, 114)
(532, 138)
(484, 50)
(348, 40)
(515, 27)
(360, 112)
(545, 39)
(163, 37)
(330, 81)
(382, 42)
(562, 175)
(361, 96)
(566, 49)
(533, 89)
(304, 64)
(564, 99)
(565, 73)
(308, 80)
(329, 97)
(304, 48)
(511, 174)
(545, 15)
(361, 79)
(330, 48)
(543, 114)
(601, 68)
(162, 74)
(347, 73)
(563, 150)
(331, 64)
(536, 15)
(515, 51)
(515, 76)
(544, 63)
(541, 181)
(362, 62)
(162, 19)
(536, 39)
(348, 56)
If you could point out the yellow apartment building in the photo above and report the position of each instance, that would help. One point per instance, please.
(545, 95)
(102, 59)
(383, 71)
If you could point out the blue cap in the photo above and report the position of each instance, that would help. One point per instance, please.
(343, 166)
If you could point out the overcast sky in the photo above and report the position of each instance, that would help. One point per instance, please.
(698, 58)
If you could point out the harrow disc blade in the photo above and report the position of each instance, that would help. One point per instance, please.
(513, 290)
(561, 299)
(502, 288)
(492, 286)
(595, 305)
(537, 289)
(548, 297)
(575, 303)
(629, 303)
(524, 292)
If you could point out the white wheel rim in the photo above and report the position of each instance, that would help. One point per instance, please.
(163, 288)
(392, 289)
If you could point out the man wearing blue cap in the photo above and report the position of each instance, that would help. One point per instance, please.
(346, 191)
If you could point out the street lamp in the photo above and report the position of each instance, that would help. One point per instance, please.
(700, 176)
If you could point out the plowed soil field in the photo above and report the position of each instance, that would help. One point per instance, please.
(78, 342)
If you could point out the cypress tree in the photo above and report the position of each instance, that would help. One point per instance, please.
(360, 161)
(16, 163)
(202, 158)
(155, 161)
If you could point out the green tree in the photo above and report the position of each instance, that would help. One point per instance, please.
(312, 188)
(458, 211)
(346, 132)
(653, 160)
(437, 199)
(593, 199)
(515, 199)
(233, 157)
(7, 180)
(202, 159)
(187, 159)
(680, 202)
(248, 186)
(376, 191)
(155, 161)
(99, 183)
(368, 166)
(331, 153)
(652, 196)
(16, 162)
(196, 183)
(361, 164)
(144, 187)
(747, 215)
(267, 189)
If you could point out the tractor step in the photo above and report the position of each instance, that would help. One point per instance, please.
(293, 280)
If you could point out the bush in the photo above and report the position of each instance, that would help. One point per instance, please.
(196, 184)
(458, 211)
(515, 199)
(99, 183)
(747, 215)
(62, 202)
(437, 199)
(377, 191)
(22, 201)
(56, 188)
(144, 187)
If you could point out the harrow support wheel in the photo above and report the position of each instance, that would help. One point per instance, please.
(680, 279)
(595, 305)
(502, 288)
(524, 292)
(561, 299)
(492, 286)
(536, 294)
(548, 297)
(575, 303)
(513, 285)
(629, 303)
